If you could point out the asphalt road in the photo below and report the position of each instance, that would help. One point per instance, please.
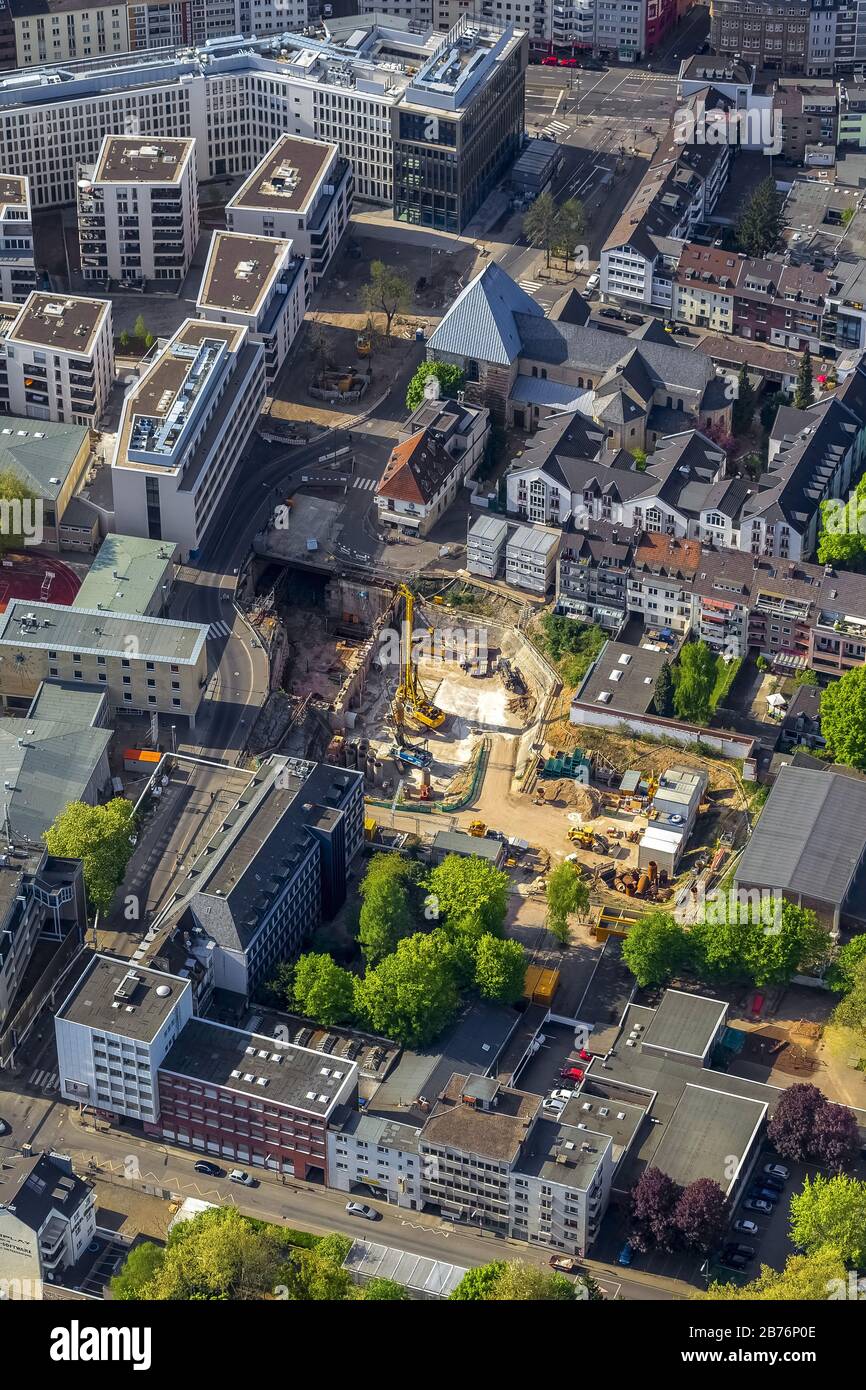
(127, 1156)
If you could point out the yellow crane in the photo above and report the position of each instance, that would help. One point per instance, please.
(410, 692)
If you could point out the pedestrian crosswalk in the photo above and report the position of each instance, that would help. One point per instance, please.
(364, 484)
(554, 129)
(217, 630)
(43, 1080)
(531, 286)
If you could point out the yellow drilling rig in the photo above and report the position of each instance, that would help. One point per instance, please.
(410, 696)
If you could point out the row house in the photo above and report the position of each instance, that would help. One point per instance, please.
(807, 117)
(762, 299)
(660, 580)
(592, 575)
(767, 33)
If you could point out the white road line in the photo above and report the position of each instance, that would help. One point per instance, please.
(531, 286)
(218, 630)
(558, 100)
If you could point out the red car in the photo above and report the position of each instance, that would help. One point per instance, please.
(549, 61)
(584, 1055)
(567, 63)
(571, 1074)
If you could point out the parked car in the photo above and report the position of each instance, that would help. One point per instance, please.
(238, 1175)
(594, 281)
(361, 1209)
(549, 61)
(610, 313)
(557, 1106)
(593, 65)
(758, 1204)
(748, 1228)
(212, 1170)
(735, 1248)
(633, 318)
(571, 1074)
(626, 1255)
(735, 1262)
(776, 1170)
(567, 62)
(682, 330)
(561, 1094)
(566, 1264)
(584, 1055)
(774, 1184)
(767, 1194)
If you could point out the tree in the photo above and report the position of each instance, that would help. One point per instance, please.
(654, 1199)
(447, 379)
(805, 1278)
(102, 838)
(831, 1212)
(220, 1254)
(149, 340)
(770, 407)
(140, 1269)
(744, 403)
(842, 537)
(500, 969)
(387, 292)
(20, 513)
(655, 949)
(793, 1123)
(139, 330)
(849, 1016)
(540, 224)
(323, 990)
(469, 895)
(664, 692)
(385, 1290)
(700, 1215)
(317, 1275)
(843, 718)
(759, 228)
(843, 973)
(804, 391)
(478, 1282)
(567, 896)
(836, 1138)
(569, 227)
(696, 677)
(124, 339)
(281, 987)
(388, 893)
(412, 995)
(522, 1282)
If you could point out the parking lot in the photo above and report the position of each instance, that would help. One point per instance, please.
(541, 1073)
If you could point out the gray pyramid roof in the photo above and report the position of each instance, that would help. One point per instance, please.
(480, 322)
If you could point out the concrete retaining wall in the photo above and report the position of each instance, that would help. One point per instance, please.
(652, 725)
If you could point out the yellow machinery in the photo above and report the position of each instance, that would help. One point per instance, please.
(477, 827)
(410, 692)
(579, 836)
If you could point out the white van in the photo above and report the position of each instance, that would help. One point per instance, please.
(594, 281)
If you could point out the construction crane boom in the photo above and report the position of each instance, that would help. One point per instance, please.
(410, 692)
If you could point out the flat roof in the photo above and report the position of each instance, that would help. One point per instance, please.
(64, 323)
(432, 1278)
(625, 675)
(132, 159)
(707, 1128)
(41, 452)
(241, 270)
(254, 1065)
(497, 1134)
(13, 192)
(459, 842)
(534, 538)
(141, 1010)
(125, 574)
(48, 761)
(89, 630)
(685, 1023)
(288, 177)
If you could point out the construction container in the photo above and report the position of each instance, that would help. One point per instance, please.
(371, 829)
(540, 985)
(140, 759)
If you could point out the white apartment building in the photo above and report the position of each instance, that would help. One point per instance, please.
(485, 546)
(63, 31)
(47, 1221)
(138, 211)
(57, 359)
(301, 191)
(237, 98)
(259, 284)
(530, 558)
(113, 1032)
(17, 263)
(175, 23)
(183, 428)
(381, 1155)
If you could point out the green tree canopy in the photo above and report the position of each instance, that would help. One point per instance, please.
(843, 718)
(805, 1278)
(385, 1290)
(540, 224)
(478, 1282)
(140, 328)
(770, 407)
(500, 969)
(449, 376)
(804, 391)
(759, 229)
(510, 1281)
(695, 679)
(323, 990)
(567, 895)
(831, 1212)
(656, 949)
(389, 893)
(569, 227)
(842, 537)
(744, 402)
(101, 837)
(413, 994)
(220, 1255)
(663, 698)
(140, 1269)
(468, 895)
(845, 970)
(387, 292)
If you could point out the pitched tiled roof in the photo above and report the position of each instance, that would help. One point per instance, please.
(416, 469)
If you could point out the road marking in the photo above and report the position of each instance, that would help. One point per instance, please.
(364, 484)
(218, 630)
(556, 128)
(531, 286)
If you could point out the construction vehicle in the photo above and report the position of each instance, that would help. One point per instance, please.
(477, 827)
(413, 757)
(579, 836)
(411, 696)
